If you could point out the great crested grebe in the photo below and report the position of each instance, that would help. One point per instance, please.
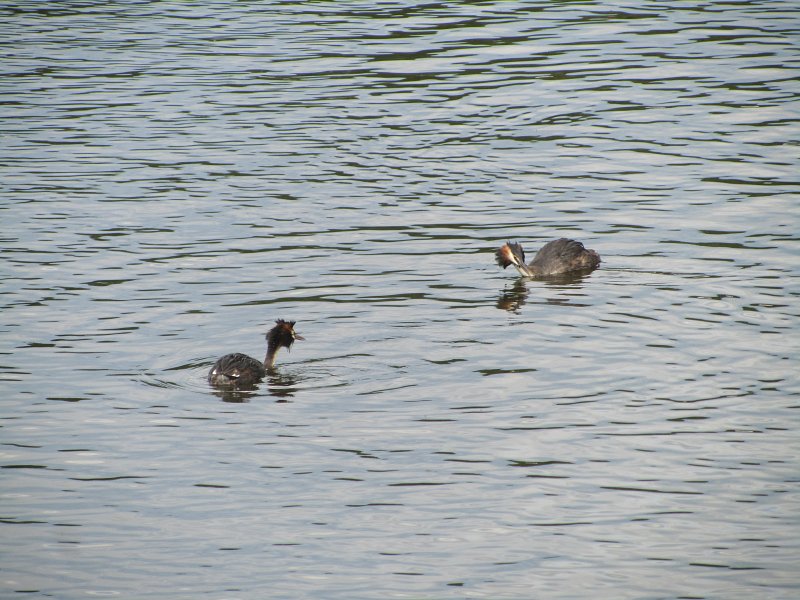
(240, 370)
(555, 258)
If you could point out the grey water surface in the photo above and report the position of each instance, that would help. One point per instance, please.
(177, 175)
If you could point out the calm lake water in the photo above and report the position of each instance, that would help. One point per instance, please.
(178, 175)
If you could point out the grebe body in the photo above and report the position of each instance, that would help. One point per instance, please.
(555, 258)
(242, 371)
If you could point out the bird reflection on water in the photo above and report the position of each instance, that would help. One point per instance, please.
(278, 384)
(513, 298)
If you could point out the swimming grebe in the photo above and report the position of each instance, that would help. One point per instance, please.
(240, 370)
(555, 258)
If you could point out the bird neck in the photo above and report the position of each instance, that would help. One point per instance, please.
(269, 359)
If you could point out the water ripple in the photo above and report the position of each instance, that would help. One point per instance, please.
(178, 176)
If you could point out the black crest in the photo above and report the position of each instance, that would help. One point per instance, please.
(282, 335)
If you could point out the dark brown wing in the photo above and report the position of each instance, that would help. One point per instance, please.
(564, 255)
(236, 370)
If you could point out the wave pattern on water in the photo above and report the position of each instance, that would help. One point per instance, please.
(178, 175)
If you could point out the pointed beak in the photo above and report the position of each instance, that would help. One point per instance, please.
(297, 336)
